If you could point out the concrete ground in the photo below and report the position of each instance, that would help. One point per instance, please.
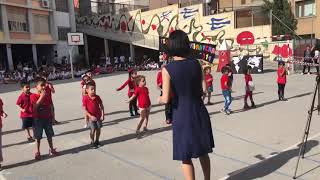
(257, 144)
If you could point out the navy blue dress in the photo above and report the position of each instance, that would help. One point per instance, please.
(192, 132)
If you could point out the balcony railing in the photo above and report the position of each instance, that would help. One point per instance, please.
(114, 8)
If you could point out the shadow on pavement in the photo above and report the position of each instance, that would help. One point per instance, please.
(87, 147)
(268, 166)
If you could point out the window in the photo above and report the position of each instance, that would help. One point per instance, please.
(305, 8)
(251, 17)
(63, 33)
(17, 19)
(62, 5)
(41, 24)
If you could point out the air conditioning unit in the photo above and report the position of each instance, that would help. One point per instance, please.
(45, 3)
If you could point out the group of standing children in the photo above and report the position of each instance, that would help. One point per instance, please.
(138, 94)
(37, 113)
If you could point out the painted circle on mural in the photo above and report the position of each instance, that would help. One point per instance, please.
(123, 26)
(245, 38)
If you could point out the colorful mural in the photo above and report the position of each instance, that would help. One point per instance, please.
(160, 22)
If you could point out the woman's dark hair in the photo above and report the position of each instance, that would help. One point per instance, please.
(178, 44)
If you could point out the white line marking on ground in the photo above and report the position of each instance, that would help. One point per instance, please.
(270, 156)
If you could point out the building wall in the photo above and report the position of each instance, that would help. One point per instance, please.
(1, 36)
(308, 25)
(144, 28)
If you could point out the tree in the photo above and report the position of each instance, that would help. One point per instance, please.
(282, 17)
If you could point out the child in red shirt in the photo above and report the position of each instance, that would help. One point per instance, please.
(4, 115)
(249, 88)
(144, 103)
(25, 106)
(94, 109)
(209, 80)
(131, 87)
(282, 80)
(85, 79)
(50, 90)
(226, 90)
(42, 117)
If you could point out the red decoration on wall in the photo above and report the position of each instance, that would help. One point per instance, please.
(245, 38)
(171, 30)
(285, 51)
(143, 22)
(123, 26)
(154, 26)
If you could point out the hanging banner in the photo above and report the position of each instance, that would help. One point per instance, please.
(200, 51)
(240, 64)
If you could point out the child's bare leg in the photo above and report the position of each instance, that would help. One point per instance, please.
(28, 133)
(50, 142)
(209, 97)
(142, 118)
(98, 132)
(147, 119)
(38, 145)
(92, 132)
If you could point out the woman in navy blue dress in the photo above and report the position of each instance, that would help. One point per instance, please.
(192, 133)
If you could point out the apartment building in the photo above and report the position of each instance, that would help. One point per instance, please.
(308, 20)
(34, 31)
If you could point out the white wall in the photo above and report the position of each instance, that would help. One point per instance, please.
(61, 19)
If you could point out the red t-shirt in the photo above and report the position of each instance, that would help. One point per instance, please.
(282, 79)
(44, 109)
(142, 94)
(1, 112)
(209, 77)
(92, 105)
(247, 78)
(224, 82)
(131, 84)
(49, 91)
(159, 79)
(24, 102)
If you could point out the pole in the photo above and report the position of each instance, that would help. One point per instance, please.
(71, 62)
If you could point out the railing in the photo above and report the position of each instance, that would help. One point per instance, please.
(114, 8)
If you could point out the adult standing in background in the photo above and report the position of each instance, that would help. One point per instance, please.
(192, 132)
(307, 55)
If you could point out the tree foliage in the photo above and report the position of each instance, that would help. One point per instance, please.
(282, 10)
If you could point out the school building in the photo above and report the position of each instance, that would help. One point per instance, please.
(34, 31)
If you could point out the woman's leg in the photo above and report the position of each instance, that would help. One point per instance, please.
(206, 167)
(188, 170)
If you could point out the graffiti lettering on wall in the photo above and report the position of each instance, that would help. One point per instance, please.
(218, 23)
(163, 23)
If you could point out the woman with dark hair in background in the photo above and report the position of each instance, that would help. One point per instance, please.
(192, 133)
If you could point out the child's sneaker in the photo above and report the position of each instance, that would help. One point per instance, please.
(30, 139)
(245, 107)
(97, 143)
(145, 129)
(222, 110)
(53, 152)
(37, 156)
(228, 112)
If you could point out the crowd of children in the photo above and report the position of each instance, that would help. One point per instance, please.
(37, 109)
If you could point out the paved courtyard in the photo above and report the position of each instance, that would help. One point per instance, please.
(255, 144)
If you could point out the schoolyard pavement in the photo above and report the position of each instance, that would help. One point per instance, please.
(261, 143)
